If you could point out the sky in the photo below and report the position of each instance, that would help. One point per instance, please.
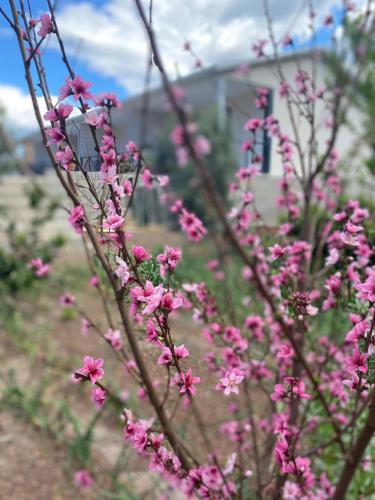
(106, 44)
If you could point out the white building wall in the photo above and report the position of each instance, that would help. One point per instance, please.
(242, 109)
(127, 121)
(267, 75)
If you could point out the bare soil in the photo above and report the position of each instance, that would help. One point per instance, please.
(34, 466)
(31, 465)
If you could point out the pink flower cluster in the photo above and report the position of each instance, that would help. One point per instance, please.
(168, 260)
(92, 369)
(77, 218)
(189, 222)
(262, 323)
(39, 267)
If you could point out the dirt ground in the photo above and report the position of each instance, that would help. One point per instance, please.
(34, 466)
(31, 464)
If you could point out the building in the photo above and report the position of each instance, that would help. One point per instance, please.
(232, 93)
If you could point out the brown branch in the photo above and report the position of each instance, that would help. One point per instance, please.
(217, 204)
(355, 456)
(69, 188)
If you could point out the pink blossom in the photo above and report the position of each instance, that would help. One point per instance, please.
(62, 112)
(77, 218)
(178, 92)
(285, 229)
(349, 239)
(41, 269)
(192, 225)
(108, 175)
(311, 310)
(262, 98)
(166, 357)
(293, 388)
(291, 491)
(46, 25)
(333, 257)
(152, 333)
(65, 157)
(258, 48)
(92, 368)
(153, 301)
(65, 90)
(253, 124)
(132, 150)
(182, 155)
(284, 89)
(94, 281)
(340, 216)
(212, 265)
(80, 88)
(114, 338)
(177, 134)
(122, 271)
(107, 99)
(66, 299)
(140, 254)
(353, 383)
(357, 362)
(279, 393)
(169, 260)
(128, 187)
(140, 294)
(285, 352)
(211, 477)
(170, 303)
(247, 198)
(113, 221)
(85, 327)
(229, 383)
(367, 289)
(181, 352)
(83, 479)
(188, 382)
(276, 252)
(353, 228)
(163, 180)
(56, 136)
(359, 214)
(96, 119)
(247, 145)
(202, 146)
(147, 179)
(98, 396)
(358, 331)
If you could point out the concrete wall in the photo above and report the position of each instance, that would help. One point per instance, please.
(13, 197)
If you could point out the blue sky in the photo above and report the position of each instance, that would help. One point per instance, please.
(106, 44)
(13, 73)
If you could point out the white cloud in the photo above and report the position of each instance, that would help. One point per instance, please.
(112, 41)
(18, 109)
(17, 112)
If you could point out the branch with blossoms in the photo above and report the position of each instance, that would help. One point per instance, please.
(296, 395)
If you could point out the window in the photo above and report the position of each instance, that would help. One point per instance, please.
(266, 140)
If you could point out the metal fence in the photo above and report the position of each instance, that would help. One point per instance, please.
(90, 163)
